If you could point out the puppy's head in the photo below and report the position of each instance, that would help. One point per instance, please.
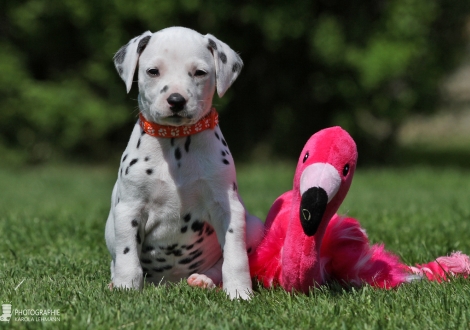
(178, 73)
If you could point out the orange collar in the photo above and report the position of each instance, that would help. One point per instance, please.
(166, 131)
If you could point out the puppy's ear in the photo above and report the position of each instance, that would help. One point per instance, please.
(128, 55)
(227, 63)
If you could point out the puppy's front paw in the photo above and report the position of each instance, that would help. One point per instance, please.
(201, 281)
(128, 282)
(244, 293)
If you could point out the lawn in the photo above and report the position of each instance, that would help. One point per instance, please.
(53, 255)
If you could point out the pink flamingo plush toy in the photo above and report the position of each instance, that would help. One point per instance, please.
(307, 244)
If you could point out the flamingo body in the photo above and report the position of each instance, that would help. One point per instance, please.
(307, 244)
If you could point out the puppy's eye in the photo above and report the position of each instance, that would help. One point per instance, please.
(346, 170)
(153, 72)
(200, 73)
(306, 157)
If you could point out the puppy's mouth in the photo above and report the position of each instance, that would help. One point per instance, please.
(180, 115)
(178, 119)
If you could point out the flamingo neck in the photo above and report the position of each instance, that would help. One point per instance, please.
(301, 254)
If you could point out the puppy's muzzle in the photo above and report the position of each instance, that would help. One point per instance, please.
(176, 102)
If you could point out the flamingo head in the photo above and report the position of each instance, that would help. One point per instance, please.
(323, 176)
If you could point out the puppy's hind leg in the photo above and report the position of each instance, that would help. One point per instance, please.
(209, 279)
(213, 277)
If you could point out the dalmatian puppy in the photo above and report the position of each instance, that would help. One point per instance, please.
(175, 210)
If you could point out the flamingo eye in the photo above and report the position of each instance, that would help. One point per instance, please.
(306, 157)
(346, 170)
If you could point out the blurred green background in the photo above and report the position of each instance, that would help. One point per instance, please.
(378, 68)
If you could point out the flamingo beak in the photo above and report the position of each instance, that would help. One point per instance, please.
(319, 183)
(312, 207)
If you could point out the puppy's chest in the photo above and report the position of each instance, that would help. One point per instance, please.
(175, 165)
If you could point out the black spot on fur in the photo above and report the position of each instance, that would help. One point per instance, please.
(176, 253)
(142, 44)
(120, 70)
(133, 161)
(235, 187)
(164, 89)
(177, 153)
(223, 153)
(197, 226)
(120, 173)
(126, 250)
(161, 259)
(189, 74)
(148, 248)
(217, 136)
(230, 230)
(146, 261)
(189, 247)
(147, 158)
(224, 142)
(161, 269)
(226, 162)
(138, 144)
(184, 229)
(194, 252)
(187, 217)
(236, 67)
(187, 143)
(212, 44)
(196, 264)
(200, 240)
(171, 247)
(191, 258)
(127, 170)
(138, 239)
(134, 223)
(209, 230)
(149, 171)
(223, 57)
(124, 158)
(172, 142)
(120, 55)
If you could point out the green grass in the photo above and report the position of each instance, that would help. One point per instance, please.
(53, 255)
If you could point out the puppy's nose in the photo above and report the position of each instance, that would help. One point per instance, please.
(176, 102)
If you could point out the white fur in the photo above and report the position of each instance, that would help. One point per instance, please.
(161, 180)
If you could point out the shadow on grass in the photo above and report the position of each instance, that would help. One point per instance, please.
(331, 289)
